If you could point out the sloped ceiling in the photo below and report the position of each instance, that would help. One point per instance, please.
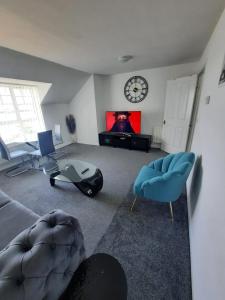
(66, 82)
(89, 35)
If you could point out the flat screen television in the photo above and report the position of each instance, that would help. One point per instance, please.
(123, 121)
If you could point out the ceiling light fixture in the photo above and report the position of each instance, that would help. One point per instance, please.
(125, 58)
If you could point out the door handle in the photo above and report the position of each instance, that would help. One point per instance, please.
(164, 122)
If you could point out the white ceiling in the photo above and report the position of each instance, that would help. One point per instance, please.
(89, 35)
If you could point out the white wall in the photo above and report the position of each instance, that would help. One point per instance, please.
(206, 187)
(101, 98)
(105, 92)
(152, 107)
(83, 107)
(56, 114)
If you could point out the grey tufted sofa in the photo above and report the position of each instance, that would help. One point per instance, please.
(38, 263)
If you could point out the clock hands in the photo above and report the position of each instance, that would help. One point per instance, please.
(135, 89)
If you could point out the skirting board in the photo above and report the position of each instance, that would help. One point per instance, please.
(155, 145)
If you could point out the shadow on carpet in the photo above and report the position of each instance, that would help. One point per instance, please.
(153, 251)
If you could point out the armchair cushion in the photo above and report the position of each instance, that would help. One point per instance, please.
(146, 173)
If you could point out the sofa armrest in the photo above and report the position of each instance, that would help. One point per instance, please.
(40, 261)
(4, 199)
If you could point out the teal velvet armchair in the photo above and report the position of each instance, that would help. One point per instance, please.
(164, 179)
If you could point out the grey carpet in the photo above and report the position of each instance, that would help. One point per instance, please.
(119, 168)
(153, 251)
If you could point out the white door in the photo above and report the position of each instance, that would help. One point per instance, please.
(180, 96)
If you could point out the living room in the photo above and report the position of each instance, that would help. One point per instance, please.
(111, 138)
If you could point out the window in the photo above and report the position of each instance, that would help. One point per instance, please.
(20, 113)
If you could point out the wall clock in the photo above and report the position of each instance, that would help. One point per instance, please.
(136, 89)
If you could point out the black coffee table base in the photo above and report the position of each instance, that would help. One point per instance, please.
(100, 277)
(92, 185)
(89, 186)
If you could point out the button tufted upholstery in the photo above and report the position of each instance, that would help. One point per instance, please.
(39, 262)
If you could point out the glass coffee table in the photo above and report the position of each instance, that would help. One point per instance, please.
(85, 176)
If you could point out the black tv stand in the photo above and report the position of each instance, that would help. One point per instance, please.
(125, 140)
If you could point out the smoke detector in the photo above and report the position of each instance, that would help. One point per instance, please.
(125, 58)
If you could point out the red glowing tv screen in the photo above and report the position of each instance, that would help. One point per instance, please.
(123, 121)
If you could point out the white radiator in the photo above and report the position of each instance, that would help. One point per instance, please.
(157, 134)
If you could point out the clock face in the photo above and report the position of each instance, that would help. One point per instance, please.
(136, 89)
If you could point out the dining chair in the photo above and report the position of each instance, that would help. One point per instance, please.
(19, 157)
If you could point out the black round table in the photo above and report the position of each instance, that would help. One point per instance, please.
(100, 277)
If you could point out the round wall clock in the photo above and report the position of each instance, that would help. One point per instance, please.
(136, 89)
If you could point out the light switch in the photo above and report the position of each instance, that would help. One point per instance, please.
(207, 100)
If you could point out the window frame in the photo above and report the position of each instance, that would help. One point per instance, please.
(36, 109)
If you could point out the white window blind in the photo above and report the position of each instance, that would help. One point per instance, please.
(20, 113)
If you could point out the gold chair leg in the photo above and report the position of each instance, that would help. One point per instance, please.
(171, 211)
(132, 206)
